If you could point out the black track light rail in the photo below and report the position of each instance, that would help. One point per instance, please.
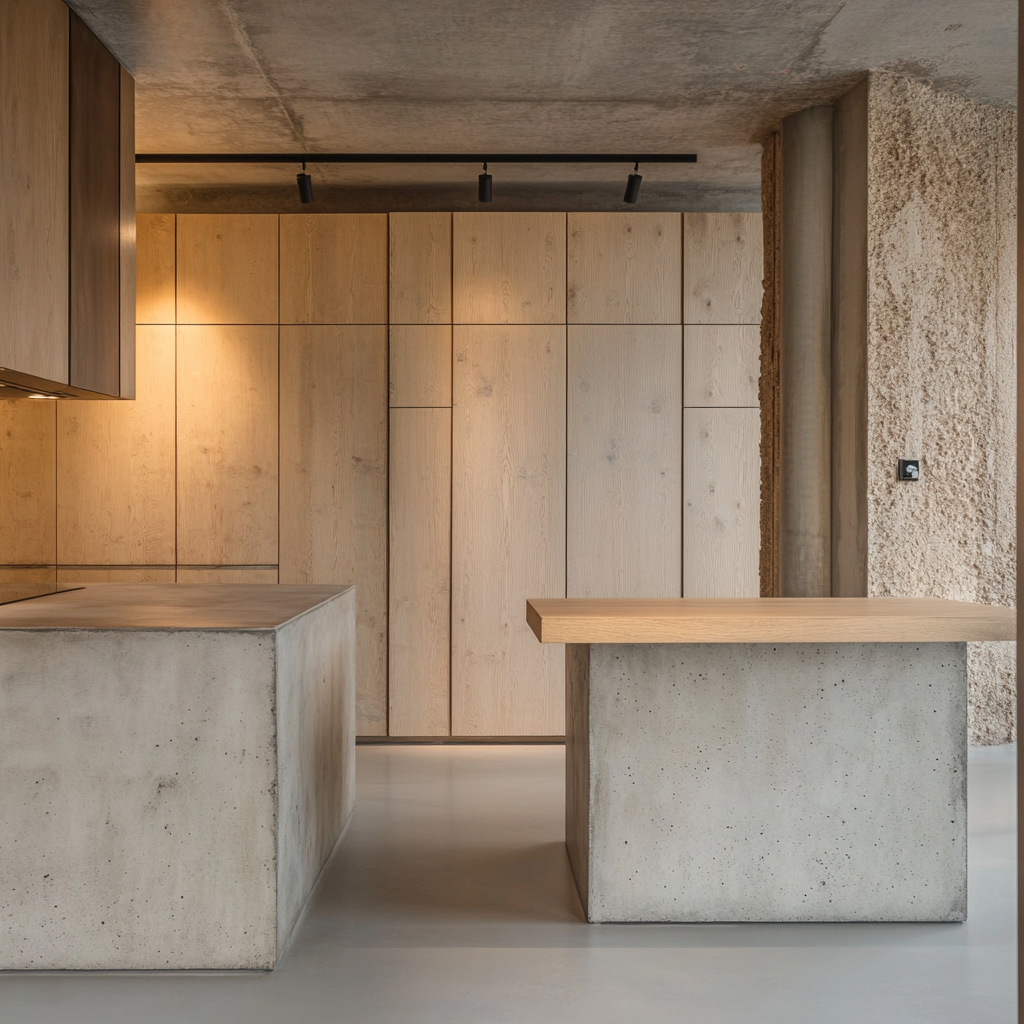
(415, 158)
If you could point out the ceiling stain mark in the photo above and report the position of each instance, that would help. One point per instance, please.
(806, 52)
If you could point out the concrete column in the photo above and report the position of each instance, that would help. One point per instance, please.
(805, 358)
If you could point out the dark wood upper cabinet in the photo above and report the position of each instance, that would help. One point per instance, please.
(77, 277)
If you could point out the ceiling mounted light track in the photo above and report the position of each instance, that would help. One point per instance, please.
(415, 158)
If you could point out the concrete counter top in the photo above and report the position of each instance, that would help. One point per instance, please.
(767, 620)
(167, 606)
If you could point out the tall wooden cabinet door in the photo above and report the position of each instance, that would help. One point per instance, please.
(624, 268)
(227, 445)
(227, 268)
(28, 499)
(723, 267)
(419, 645)
(421, 268)
(721, 492)
(508, 528)
(334, 268)
(115, 468)
(625, 423)
(154, 268)
(508, 268)
(334, 484)
(34, 187)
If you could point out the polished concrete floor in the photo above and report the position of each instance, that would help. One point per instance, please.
(450, 901)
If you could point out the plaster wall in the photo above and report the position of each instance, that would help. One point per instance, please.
(941, 364)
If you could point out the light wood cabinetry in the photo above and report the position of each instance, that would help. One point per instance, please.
(227, 268)
(508, 268)
(28, 576)
(34, 187)
(154, 268)
(334, 268)
(624, 492)
(722, 268)
(28, 499)
(420, 365)
(421, 268)
(508, 527)
(721, 481)
(721, 365)
(334, 490)
(115, 464)
(624, 268)
(227, 441)
(420, 571)
(119, 574)
(233, 574)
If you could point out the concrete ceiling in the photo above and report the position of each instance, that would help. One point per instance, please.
(526, 75)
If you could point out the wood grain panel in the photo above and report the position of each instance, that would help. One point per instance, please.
(334, 486)
(227, 445)
(334, 268)
(115, 468)
(128, 233)
(721, 521)
(118, 574)
(721, 365)
(624, 268)
(154, 268)
(624, 438)
(29, 577)
(28, 492)
(420, 365)
(508, 268)
(508, 527)
(230, 574)
(34, 187)
(227, 268)
(95, 213)
(421, 268)
(769, 620)
(419, 644)
(722, 268)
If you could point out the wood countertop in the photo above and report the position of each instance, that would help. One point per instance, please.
(166, 606)
(767, 620)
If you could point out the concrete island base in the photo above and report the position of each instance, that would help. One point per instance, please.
(169, 792)
(768, 782)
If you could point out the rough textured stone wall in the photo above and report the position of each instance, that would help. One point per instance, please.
(941, 363)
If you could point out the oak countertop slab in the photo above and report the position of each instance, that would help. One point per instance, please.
(767, 620)
(167, 606)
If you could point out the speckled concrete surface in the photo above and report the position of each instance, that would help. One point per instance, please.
(790, 782)
(941, 370)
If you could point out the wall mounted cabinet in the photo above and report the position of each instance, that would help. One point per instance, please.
(67, 208)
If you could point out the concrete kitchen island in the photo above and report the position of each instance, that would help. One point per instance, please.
(767, 760)
(176, 764)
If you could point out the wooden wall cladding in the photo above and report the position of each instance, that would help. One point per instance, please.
(624, 268)
(115, 465)
(421, 268)
(227, 268)
(334, 490)
(119, 574)
(94, 200)
(508, 527)
(419, 645)
(721, 365)
(420, 365)
(508, 268)
(154, 268)
(34, 186)
(334, 268)
(128, 237)
(227, 439)
(28, 576)
(28, 493)
(232, 574)
(721, 515)
(624, 441)
(722, 268)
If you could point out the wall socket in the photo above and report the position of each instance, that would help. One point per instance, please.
(909, 469)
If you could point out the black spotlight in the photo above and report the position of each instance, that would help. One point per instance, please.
(305, 185)
(633, 186)
(483, 189)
